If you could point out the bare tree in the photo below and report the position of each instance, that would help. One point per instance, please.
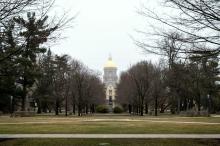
(12, 10)
(126, 91)
(170, 46)
(136, 85)
(86, 88)
(61, 82)
(157, 87)
(198, 20)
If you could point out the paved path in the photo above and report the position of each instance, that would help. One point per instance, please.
(113, 136)
(158, 120)
(150, 120)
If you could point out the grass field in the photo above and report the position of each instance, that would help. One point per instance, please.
(116, 124)
(109, 125)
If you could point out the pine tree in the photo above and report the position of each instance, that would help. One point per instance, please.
(34, 33)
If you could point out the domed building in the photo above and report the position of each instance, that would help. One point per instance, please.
(110, 79)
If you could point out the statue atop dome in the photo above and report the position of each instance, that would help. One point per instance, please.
(110, 63)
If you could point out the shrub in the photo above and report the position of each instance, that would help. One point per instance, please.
(24, 114)
(117, 109)
(193, 113)
(102, 109)
(204, 113)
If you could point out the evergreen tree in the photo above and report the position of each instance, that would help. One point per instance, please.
(44, 92)
(34, 32)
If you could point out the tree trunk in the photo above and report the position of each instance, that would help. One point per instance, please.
(39, 110)
(60, 109)
(86, 110)
(79, 110)
(142, 106)
(142, 110)
(137, 110)
(93, 108)
(66, 106)
(57, 107)
(146, 108)
(129, 108)
(38, 107)
(187, 104)
(162, 108)
(24, 93)
(191, 104)
(199, 103)
(44, 109)
(74, 109)
(178, 105)
(156, 104)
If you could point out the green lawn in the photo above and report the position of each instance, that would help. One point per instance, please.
(110, 142)
(109, 124)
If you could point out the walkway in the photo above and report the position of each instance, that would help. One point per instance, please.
(151, 120)
(113, 136)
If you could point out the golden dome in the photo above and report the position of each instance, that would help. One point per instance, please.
(110, 64)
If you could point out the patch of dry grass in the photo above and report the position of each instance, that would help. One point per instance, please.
(109, 124)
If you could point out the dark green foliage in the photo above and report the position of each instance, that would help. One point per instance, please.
(118, 110)
(8, 71)
(35, 32)
(102, 109)
(22, 43)
(5, 104)
(43, 95)
(19, 49)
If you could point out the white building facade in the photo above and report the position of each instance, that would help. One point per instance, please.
(110, 80)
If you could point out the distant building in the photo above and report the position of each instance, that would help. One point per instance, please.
(110, 79)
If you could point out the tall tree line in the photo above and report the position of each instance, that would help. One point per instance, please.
(140, 87)
(189, 44)
(67, 84)
(187, 86)
(25, 28)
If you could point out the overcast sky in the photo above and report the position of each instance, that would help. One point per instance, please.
(103, 27)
